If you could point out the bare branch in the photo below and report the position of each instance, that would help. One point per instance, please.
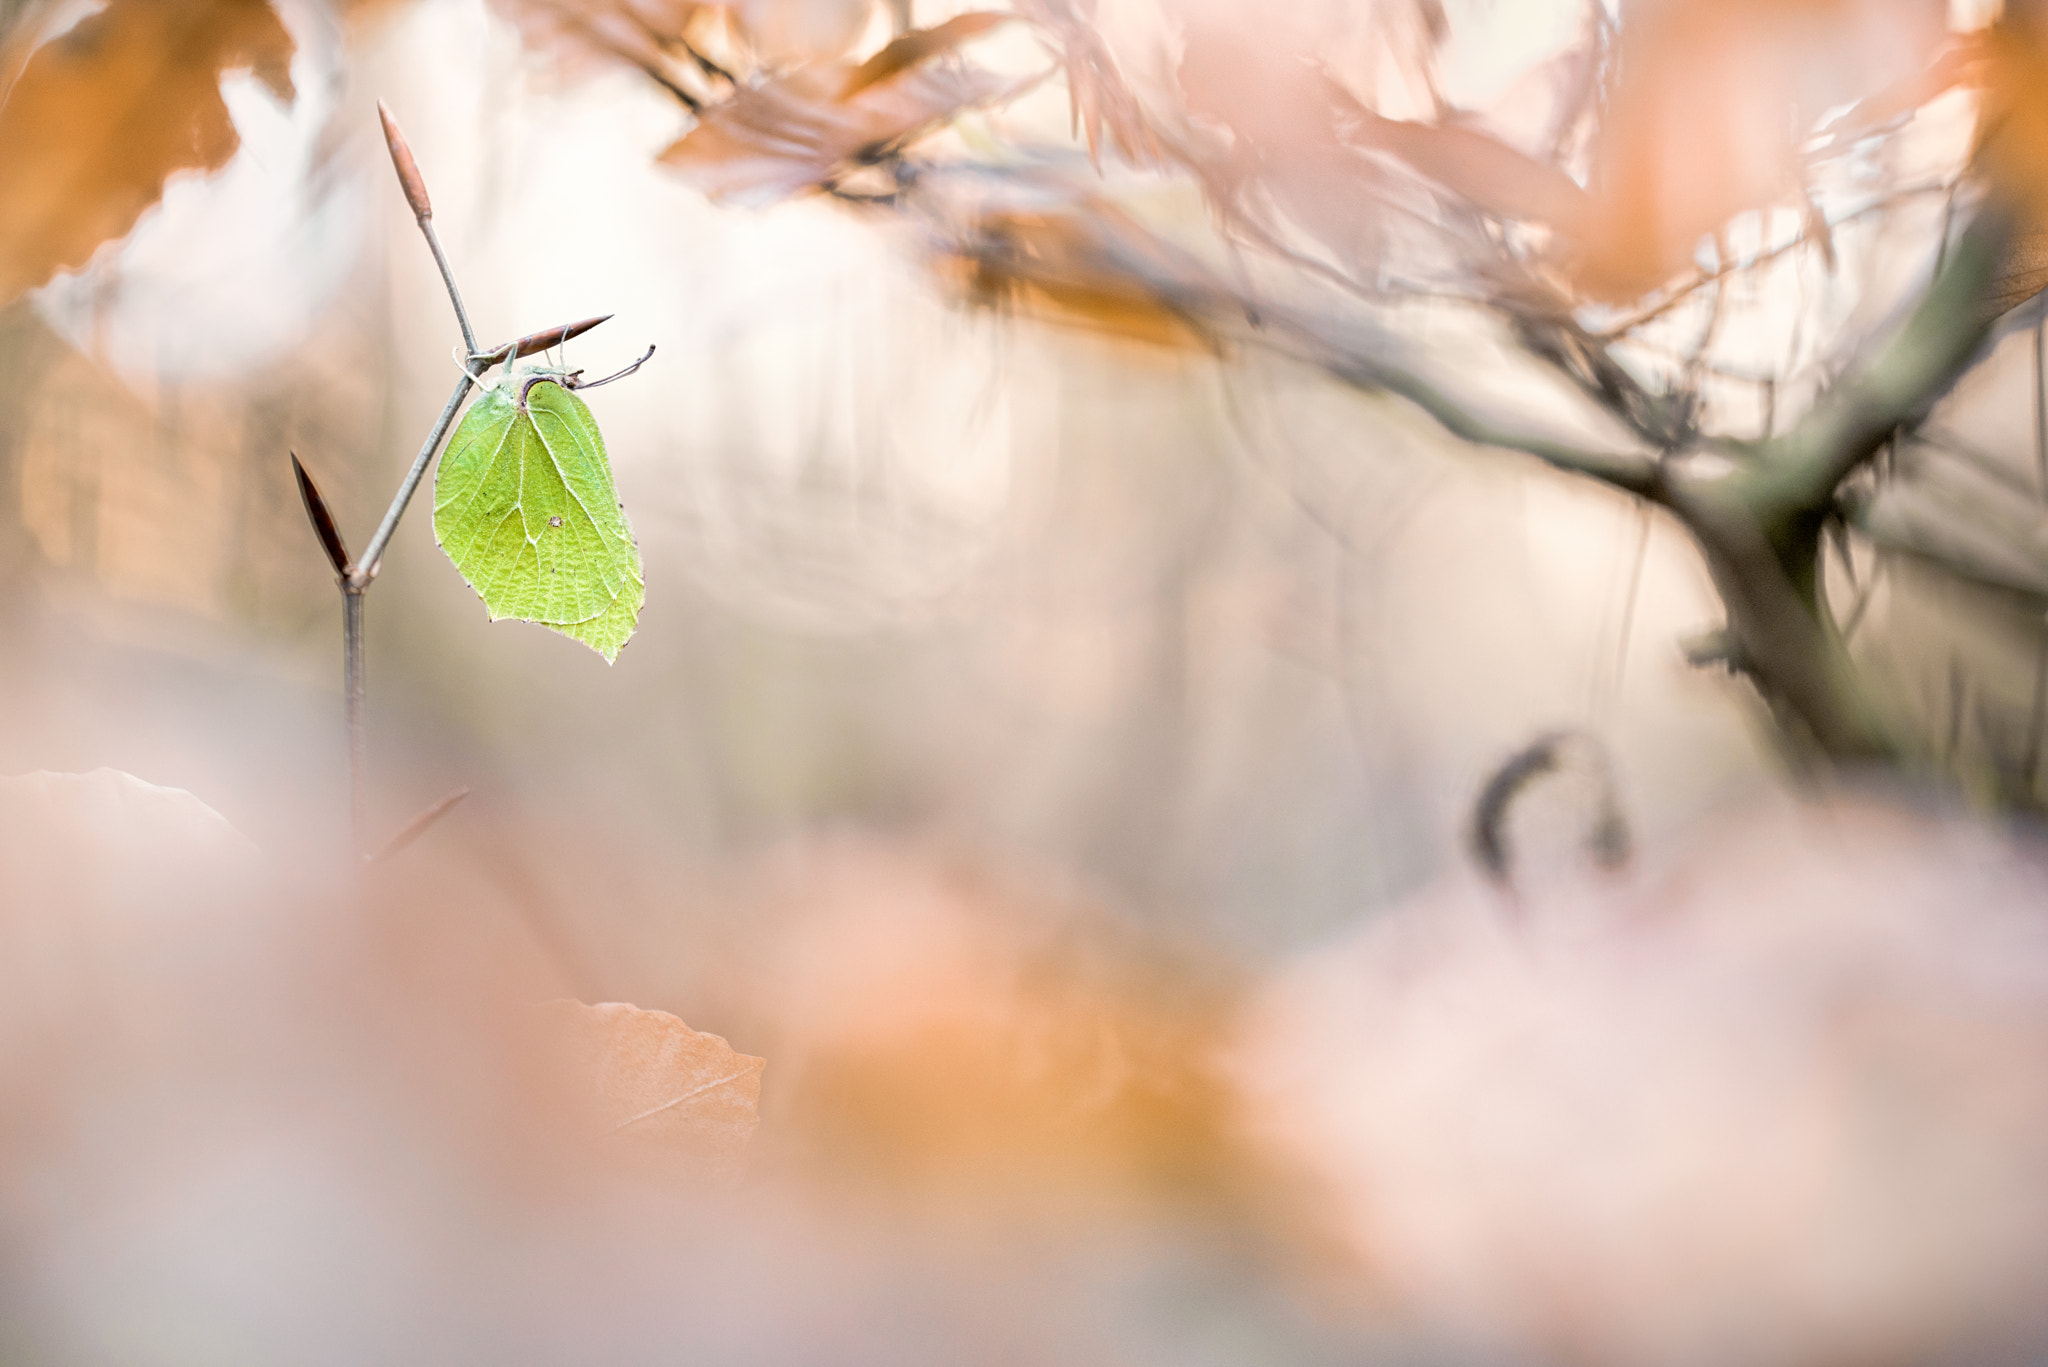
(1798, 472)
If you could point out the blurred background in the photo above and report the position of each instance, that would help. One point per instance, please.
(1227, 643)
(1012, 701)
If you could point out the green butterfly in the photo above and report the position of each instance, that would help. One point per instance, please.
(524, 508)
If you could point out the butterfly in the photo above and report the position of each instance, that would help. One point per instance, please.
(526, 511)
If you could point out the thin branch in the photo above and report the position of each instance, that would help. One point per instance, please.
(1634, 472)
(373, 554)
(1798, 472)
(418, 826)
(352, 691)
(1683, 293)
(2041, 403)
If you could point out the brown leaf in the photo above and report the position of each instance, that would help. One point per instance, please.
(800, 131)
(646, 1080)
(104, 113)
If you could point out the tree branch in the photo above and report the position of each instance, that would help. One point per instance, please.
(1797, 473)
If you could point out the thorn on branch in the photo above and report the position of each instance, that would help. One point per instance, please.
(540, 341)
(409, 178)
(322, 520)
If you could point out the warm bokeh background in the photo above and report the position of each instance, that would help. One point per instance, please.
(1011, 701)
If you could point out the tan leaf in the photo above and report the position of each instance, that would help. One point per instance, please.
(646, 1080)
(103, 113)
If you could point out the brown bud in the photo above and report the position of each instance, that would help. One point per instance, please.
(322, 520)
(555, 336)
(409, 178)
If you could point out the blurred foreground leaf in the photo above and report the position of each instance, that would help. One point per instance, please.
(525, 509)
(103, 114)
(654, 1083)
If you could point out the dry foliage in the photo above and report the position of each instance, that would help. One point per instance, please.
(105, 112)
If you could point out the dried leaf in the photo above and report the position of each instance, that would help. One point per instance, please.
(800, 131)
(103, 113)
(646, 1080)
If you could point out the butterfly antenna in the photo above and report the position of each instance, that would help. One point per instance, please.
(574, 383)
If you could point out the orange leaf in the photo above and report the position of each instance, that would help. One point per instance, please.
(104, 113)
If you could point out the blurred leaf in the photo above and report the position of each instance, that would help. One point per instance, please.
(105, 112)
(651, 1082)
(802, 130)
(525, 509)
(1094, 267)
(1713, 104)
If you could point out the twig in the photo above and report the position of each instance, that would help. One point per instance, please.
(2041, 403)
(417, 827)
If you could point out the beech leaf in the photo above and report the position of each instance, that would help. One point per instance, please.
(102, 114)
(652, 1082)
